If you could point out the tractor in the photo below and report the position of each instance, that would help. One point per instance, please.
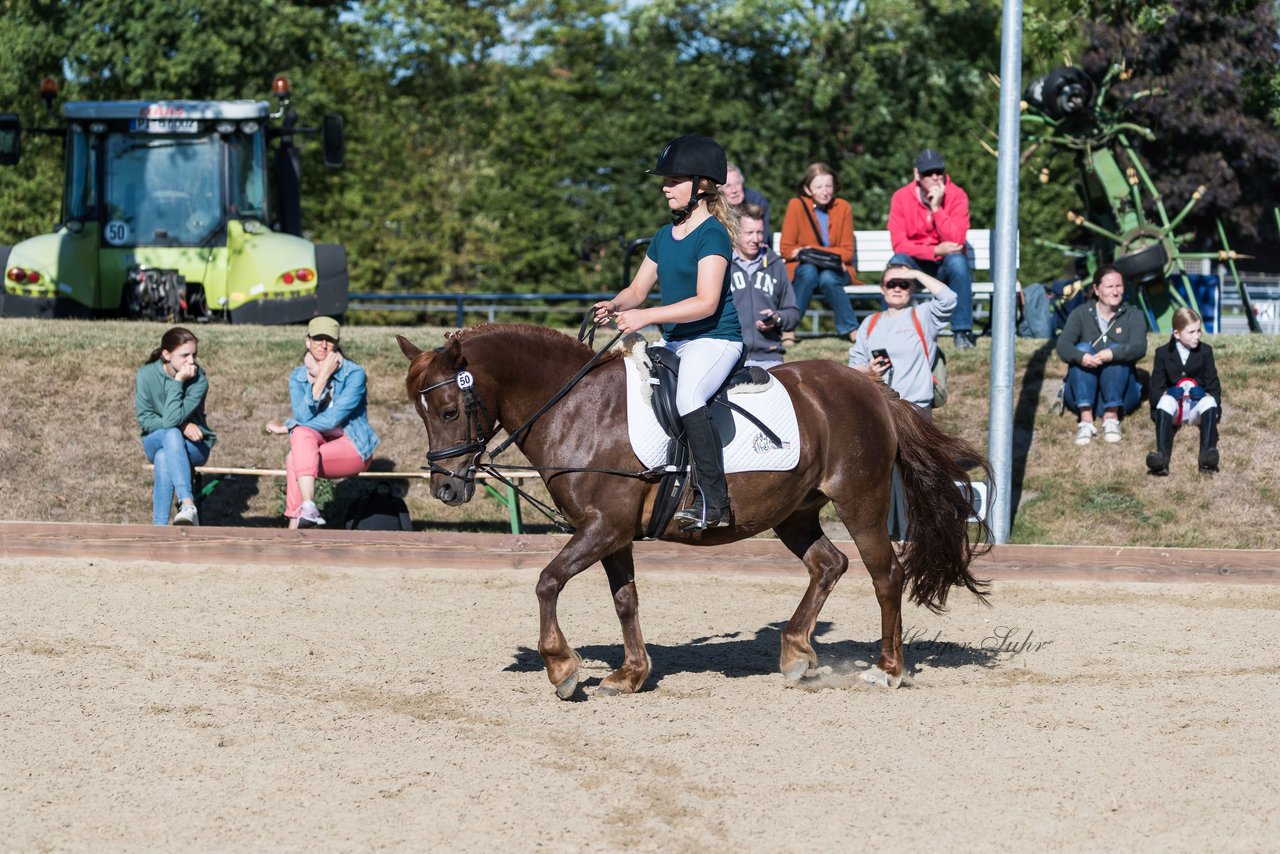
(169, 213)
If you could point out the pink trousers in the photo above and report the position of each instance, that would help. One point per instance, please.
(312, 454)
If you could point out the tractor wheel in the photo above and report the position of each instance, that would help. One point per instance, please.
(4, 271)
(331, 279)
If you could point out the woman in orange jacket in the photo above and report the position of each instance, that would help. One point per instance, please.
(817, 221)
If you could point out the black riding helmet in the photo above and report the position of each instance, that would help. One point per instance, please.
(694, 155)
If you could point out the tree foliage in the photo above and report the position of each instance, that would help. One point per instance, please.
(1213, 67)
(502, 144)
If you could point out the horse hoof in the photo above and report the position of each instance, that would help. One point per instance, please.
(877, 677)
(607, 691)
(795, 671)
(566, 688)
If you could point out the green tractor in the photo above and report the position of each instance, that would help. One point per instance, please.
(166, 215)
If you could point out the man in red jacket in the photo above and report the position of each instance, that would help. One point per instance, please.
(928, 224)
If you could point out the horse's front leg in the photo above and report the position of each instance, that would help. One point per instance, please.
(636, 665)
(562, 660)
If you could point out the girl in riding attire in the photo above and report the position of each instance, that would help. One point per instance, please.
(1185, 390)
(690, 257)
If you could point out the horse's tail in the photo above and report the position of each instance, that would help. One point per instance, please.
(935, 471)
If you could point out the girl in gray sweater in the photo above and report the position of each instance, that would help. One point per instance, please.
(900, 343)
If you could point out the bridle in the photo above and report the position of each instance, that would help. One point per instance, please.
(479, 435)
(474, 409)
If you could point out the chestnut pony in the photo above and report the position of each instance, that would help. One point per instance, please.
(852, 431)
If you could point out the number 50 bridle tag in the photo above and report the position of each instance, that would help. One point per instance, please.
(465, 380)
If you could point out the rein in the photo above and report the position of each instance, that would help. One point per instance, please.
(586, 369)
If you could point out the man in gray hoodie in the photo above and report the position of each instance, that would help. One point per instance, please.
(762, 291)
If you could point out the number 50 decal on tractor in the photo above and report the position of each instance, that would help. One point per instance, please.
(167, 215)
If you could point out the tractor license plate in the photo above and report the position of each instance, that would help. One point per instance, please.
(164, 125)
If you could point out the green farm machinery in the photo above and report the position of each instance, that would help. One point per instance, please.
(1123, 211)
(173, 210)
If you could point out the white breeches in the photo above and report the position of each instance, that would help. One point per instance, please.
(1190, 414)
(705, 363)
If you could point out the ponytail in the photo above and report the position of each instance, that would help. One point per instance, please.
(719, 208)
(172, 340)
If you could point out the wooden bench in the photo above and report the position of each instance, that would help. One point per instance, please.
(873, 249)
(508, 497)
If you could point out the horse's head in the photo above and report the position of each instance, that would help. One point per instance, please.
(459, 423)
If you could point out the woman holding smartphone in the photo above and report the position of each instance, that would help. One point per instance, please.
(900, 344)
(168, 401)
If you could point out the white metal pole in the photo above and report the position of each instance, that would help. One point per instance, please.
(1005, 273)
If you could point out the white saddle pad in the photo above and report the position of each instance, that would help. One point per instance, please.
(746, 447)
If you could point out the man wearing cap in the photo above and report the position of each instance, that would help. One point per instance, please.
(928, 225)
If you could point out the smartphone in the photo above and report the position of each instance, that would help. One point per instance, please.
(881, 354)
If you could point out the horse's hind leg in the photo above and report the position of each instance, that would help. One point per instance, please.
(802, 534)
(869, 530)
(635, 668)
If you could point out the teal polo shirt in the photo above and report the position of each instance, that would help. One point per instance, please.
(677, 262)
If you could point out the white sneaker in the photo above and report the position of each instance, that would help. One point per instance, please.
(1086, 432)
(309, 515)
(187, 515)
(1111, 429)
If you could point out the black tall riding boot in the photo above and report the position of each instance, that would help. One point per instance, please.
(1209, 440)
(710, 508)
(1158, 460)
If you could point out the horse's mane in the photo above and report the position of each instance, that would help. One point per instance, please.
(534, 335)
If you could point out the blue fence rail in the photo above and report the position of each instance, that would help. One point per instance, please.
(497, 306)
(489, 305)
(1264, 291)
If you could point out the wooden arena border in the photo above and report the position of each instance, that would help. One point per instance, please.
(426, 550)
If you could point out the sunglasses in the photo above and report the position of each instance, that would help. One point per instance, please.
(897, 285)
(933, 173)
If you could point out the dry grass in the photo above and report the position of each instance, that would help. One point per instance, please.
(69, 448)
(1101, 494)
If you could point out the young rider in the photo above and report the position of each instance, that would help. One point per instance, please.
(1185, 389)
(690, 257)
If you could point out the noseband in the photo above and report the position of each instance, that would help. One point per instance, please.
(473, 407)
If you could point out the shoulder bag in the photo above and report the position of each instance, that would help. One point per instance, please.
(816, 257)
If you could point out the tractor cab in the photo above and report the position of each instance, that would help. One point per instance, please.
(167, 214)
(171, 173)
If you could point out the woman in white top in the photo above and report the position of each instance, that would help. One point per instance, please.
(900, 344)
